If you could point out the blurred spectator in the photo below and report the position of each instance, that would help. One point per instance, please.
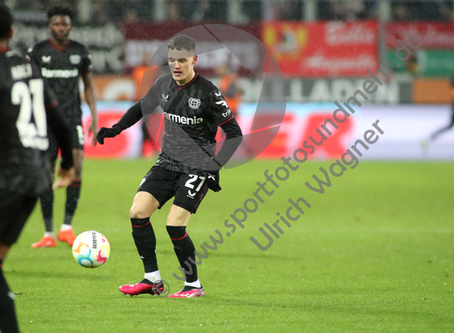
(419, 10)
(346, 10)
(252, 10)
(115, 10)
(100, 15)
(401, 12)
(173, 11)
(130, 16)
(285, 10)
(204, 10)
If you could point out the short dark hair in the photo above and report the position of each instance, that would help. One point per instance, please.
(179, 42)
(60, 10)
(6, 21)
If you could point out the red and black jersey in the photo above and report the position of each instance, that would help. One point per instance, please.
(193, 113)
(62, 68)
(24, 98)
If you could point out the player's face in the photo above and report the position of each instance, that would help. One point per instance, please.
(181, 64)
(60, 26)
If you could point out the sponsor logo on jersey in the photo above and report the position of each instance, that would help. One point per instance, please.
(182, 119)
(218, 94)
(194, 103)
(223, 103)
(59, 73)
(74, 59)
(191, 195)
(45, 59)
(165, 98)
(225, 114)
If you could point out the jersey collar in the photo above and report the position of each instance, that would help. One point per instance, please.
(187, 84)
(58, 48)
(4, 50)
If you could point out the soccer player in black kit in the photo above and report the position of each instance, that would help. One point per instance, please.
(62, 61)
(24, 165)
(425, 143)
(187, 166)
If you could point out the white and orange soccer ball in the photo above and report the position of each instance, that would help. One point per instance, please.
(91, 249)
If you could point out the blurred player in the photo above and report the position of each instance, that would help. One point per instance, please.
(24, 164)
(62, 61)
(425, 143)
(139, 74)
(193, 109)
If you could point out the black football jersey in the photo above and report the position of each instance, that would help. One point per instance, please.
(62, 67)
(192, 115)
(24, 95)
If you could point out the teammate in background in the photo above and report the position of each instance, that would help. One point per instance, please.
(149, 146)
(24, 164)
(62, 61)
(425, 143)
(187, 165)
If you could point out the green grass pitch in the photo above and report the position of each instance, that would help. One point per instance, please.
(373, 254)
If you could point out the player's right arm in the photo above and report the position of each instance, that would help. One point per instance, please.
(133, 115)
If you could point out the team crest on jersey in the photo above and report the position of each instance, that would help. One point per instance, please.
(194, 103)
(45, 59)
(74, 59)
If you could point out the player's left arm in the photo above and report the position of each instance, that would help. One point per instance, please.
(89, 92)
(226, 120)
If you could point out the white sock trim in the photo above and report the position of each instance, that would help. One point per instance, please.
(65, 227)
(153, 276)
(50, 234)
(195, 284)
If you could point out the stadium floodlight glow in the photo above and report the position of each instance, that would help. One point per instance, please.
(267, 117)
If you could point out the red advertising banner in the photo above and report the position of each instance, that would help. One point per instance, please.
(216, 45)
(432, 35)
(323, 49)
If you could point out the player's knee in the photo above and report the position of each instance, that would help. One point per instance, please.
(137, 212)
(78, 173)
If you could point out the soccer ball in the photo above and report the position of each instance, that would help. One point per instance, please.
(91, 249)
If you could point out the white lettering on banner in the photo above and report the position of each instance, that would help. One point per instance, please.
(321, 62)
(430, 37)
(340, 33)
(59, 73)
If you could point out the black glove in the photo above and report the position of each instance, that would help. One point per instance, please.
(105, 132)
(213, 181)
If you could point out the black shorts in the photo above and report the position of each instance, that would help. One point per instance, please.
(163, 184)
(77, 135)
(15, 209)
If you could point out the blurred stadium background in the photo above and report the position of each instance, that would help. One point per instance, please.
(373, 254)
(324, 49)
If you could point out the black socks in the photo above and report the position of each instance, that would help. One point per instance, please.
(145, 239)
(184, 249)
